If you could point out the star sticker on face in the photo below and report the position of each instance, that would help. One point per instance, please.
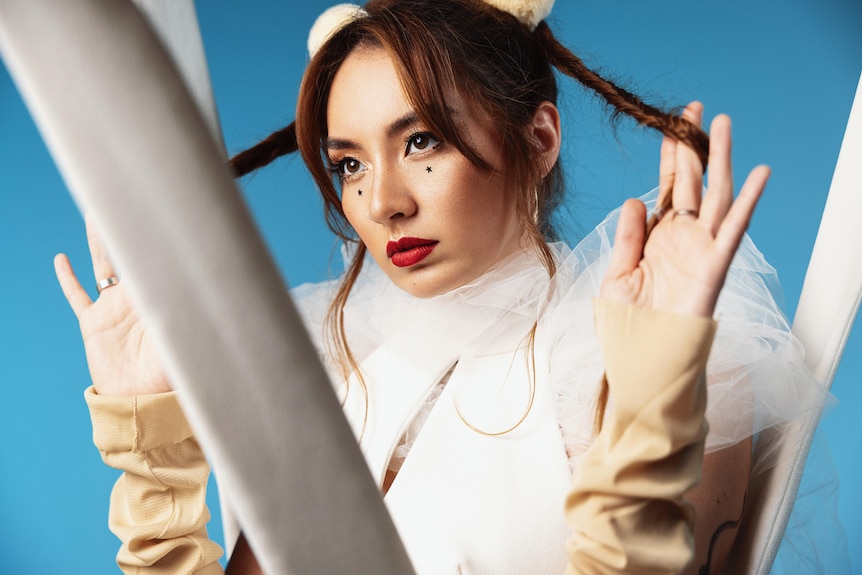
(359, 192)
(428, 169)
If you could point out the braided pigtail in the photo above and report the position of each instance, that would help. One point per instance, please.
(279, 143)
(623, 101)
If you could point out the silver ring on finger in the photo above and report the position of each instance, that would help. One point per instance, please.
(693, 213)
(105, 283)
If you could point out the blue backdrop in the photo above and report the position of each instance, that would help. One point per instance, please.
(785, 71)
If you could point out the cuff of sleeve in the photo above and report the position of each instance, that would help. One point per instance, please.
(626, 506)
(650, 348)
(136, 423)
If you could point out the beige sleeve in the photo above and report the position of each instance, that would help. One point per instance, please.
(158, 505)
(626, 505)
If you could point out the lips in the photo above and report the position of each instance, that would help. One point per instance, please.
(407, 252)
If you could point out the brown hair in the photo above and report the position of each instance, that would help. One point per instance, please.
(442, 48)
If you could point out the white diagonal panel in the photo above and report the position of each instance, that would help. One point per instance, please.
(833, 282)
(135, 152)
(175, 22)
(824, 317)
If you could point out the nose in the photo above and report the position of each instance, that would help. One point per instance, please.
(391, 196)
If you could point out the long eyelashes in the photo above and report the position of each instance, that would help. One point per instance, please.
(420, 142)
(346, 169)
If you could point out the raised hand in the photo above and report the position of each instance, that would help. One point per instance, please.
(682, 265)
(120, 353)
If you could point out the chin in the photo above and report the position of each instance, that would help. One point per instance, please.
(422, 290)
(426, 284)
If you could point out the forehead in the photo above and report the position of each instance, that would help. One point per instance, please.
(366, 62)
(365, 90)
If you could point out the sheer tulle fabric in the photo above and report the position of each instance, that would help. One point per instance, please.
(756, 374)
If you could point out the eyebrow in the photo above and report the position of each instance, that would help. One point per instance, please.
(405, 121)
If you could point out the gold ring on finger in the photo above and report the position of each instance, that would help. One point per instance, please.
(685, 213)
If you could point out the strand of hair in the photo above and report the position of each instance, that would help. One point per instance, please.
(623, 101)
(279, 143)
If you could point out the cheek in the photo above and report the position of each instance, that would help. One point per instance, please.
(355, 215)
(450, 188)
(368, 231)
(479, 198)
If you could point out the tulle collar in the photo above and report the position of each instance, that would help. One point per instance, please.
(492, 314)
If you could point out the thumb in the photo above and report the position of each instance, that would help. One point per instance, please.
(629, 239)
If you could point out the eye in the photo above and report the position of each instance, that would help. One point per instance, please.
(421, 142)
(346, 168)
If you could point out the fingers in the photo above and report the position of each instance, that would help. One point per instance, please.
(77, 297)
(629, 239)
(667, 158)
(719, 197)
(739, 215)
(666, 169)
(102, 266)
(688, 183)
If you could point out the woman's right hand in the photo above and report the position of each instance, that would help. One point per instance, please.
(682, 264)
(120, 352)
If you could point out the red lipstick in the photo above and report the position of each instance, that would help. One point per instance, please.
(407, 252)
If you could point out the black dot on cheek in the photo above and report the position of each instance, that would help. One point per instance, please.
(428, 169)
(359, 192)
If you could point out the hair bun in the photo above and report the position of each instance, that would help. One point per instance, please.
(529, 12)
(330, 22)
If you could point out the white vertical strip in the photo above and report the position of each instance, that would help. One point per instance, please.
(824, 316)
(136, 153)
(176, 24)
(833, 283)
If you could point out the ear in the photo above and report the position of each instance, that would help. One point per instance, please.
(546, 133)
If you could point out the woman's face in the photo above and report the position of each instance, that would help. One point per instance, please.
(430, 218)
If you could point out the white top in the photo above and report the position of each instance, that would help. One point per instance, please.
(464, 502)
(467, 502)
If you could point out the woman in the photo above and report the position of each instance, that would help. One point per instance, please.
(465, 356)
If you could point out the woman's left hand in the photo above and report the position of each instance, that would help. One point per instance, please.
(681, 267)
